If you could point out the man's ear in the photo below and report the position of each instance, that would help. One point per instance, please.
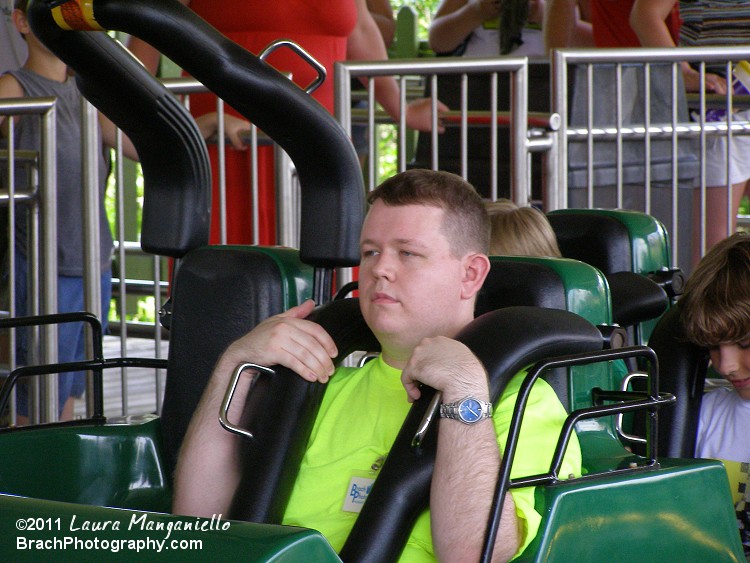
(476, 266)
(20, 21)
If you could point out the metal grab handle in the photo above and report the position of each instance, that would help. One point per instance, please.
(224, 410)
(304, 55)
(416, 442)
(619, 418)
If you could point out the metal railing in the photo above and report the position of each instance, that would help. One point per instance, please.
(671, 147)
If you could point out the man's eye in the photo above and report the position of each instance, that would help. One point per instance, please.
(368, 253)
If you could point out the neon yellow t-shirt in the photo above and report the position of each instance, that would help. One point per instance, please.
(361, 414)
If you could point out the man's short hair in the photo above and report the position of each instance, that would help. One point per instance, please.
(716, 303)
(465, 221)
(21, 5)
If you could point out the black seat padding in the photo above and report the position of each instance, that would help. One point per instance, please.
(218, 295)
(520, 283)
(682, 372)
(598, 240)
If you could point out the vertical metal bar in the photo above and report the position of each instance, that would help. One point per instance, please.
(647, 138)
(673, 231)
(49, 259)
(590, 136)
(519, 134)
(254, 185)
(731, 212)
(11, 249)
(557, 191)
(434, 133)
(493, 136)
(122, 308)
(464, 126)
(91, 149)
(222, 172)
(157, 332)
(402, 132)
(702, 203)
(618, 141)
(372, 136)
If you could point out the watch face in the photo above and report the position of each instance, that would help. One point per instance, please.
(469, 410)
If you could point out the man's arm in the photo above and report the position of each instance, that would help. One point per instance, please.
(208, 469)
(468, 458)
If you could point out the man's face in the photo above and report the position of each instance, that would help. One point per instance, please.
(409, 281)
(732, 361)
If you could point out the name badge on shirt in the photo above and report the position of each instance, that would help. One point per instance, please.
(356, 495)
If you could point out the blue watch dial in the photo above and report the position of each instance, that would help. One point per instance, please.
(469, 410)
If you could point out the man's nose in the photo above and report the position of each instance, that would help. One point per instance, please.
(384, 267)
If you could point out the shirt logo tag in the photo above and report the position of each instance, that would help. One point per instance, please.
(356, 495)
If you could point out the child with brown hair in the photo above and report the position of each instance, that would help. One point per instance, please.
(716, 315)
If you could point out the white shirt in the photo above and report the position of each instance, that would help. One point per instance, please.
(724, 426)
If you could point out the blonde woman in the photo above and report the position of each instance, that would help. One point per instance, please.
(520, 231)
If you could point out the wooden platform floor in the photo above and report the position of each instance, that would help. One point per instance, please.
(140, 388)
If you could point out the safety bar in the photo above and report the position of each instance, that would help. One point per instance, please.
(651, 402)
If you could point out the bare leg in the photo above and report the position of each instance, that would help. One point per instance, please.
(716, 216)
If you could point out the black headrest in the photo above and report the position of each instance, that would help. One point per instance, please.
(603, 242)
(512, 283)
(682, 372)
(635, 298)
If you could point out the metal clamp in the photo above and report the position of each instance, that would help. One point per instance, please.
(307, 57)
(224, 410)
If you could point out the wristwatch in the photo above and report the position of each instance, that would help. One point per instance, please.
(468, 410)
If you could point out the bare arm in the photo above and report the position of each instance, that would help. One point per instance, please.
(647, 18)
(365, 43)
(207, 472)
(567, 24)
(468, 457)
(455, 19)
(382, 13)
(145, 53)
(9, 88)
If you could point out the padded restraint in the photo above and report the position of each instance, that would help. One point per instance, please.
(331, 182)
(682, 372)
(177, 174)
(598, 240)
(505, 341)
(280, 413)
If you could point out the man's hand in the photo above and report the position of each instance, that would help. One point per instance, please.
(288, 339)
(447, 366)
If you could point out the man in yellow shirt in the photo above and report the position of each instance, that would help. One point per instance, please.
(423, 260)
